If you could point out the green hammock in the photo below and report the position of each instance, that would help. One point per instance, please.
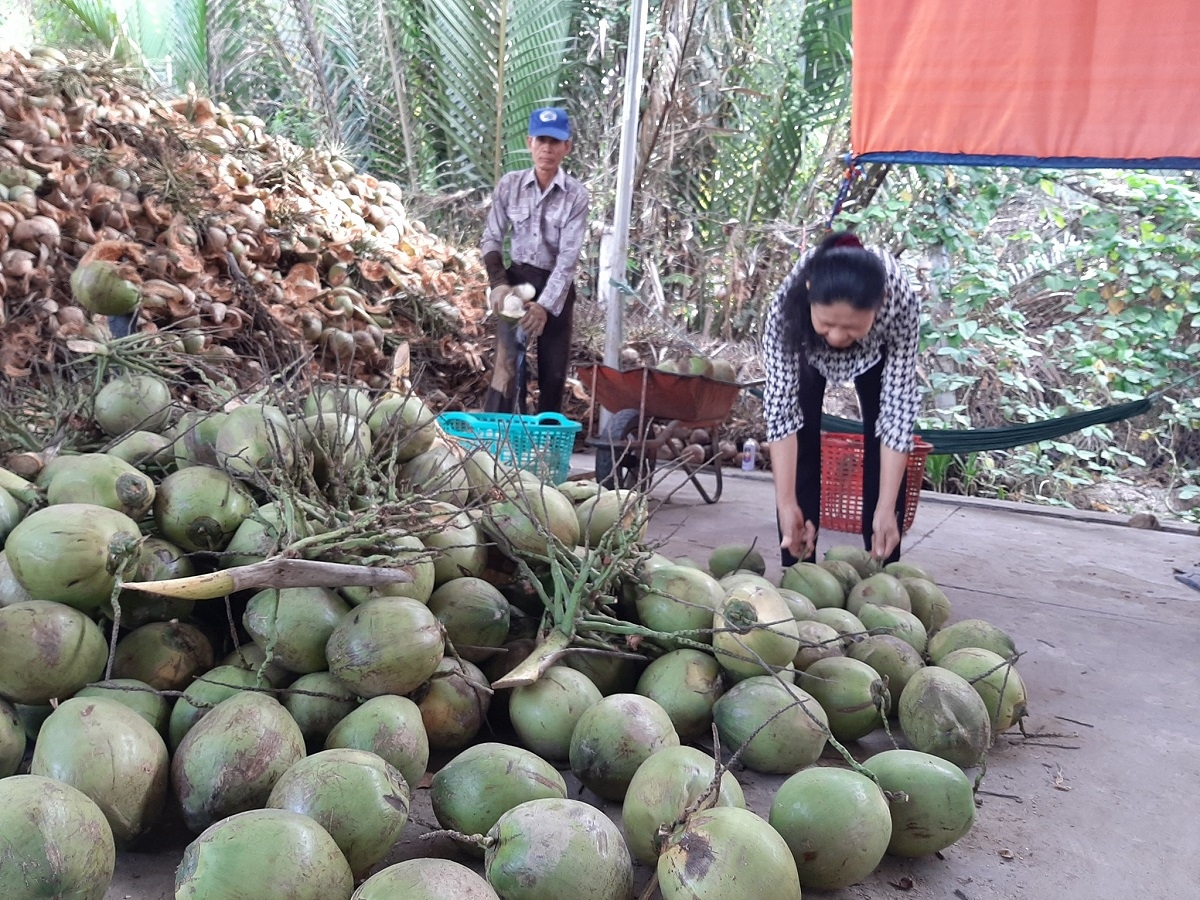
(972, 440)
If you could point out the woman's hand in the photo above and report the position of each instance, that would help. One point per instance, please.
(799, 534)
(885, 532)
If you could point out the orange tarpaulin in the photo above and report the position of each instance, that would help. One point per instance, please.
(1028, 82)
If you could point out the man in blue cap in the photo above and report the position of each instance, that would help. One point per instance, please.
(543, 212)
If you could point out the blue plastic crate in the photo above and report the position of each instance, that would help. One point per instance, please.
(541, 444)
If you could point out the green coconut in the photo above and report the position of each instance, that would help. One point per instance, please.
(732, 557)
(98, 286)
(340, 444)
(663, 788)
(995, 679)
(69, 553)
(902, 570)
(970, 633)
(132, 402)
(254, 440)
(544, 714)
(802, 608)
(102, 480)
(194, 438)
(840, 620)
(230, 760)
(391, 727)
(472, 791)
(474, 614)
(864, 563)
(821, 587)
(580, 490)
(817, 641)
(880, 589)
(589, 860)
(941, 714)
(403, 425)
(137, 696)
(929, 603)
(854, 697)
(202, 695)
(932, 803)
(845, 573)
(679, 599)
(318, 701)
(754, 632)
(727, 853)
(686, 683)
(47, 650)
(457, 544)
(11, 590)
(391, 645)
(895, 621)
(165, 655)
(57, 842)
(742, 577)
(158, 560)
(201, 508)
(454, 704)
(338, 399)
(12, 740)
(10, 514)
(778, 728)
(262, 534)
(425, 879)
(893, 658)
(439, 475)
(621, 510)
(228, 860)
(611, 674)
(144, 448)
(836, 823)
(615, 736)
(110, 753)
(409, 555)
(295, 624)
(254, 658)
(357, 796)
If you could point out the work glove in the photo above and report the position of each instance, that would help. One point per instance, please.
(534, 321)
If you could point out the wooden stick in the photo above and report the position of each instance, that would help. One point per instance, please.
(271, 573)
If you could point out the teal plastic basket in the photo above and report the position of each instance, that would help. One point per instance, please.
(541, 444)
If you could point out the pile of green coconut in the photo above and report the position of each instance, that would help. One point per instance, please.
(268, 618)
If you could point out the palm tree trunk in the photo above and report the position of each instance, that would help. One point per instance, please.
(400, 86)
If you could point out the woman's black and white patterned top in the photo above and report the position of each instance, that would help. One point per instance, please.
(897, 329)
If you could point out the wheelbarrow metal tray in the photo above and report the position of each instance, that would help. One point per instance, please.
(692, 399)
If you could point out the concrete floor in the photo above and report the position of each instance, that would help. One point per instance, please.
(1098, 802)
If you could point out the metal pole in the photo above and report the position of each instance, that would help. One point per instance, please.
(614, 243)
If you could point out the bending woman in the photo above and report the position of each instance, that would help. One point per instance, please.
(844, 312)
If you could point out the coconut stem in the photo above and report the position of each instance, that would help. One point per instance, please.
(271, 573)
(546, 654)
(650, 888)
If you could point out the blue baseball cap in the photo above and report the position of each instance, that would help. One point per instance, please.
(550, 121)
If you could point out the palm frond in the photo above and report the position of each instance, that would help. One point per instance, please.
(494, 61)
(100, 20)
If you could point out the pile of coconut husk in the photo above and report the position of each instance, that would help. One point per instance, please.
(238, 243)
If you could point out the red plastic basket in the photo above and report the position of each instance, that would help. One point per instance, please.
(842, 481)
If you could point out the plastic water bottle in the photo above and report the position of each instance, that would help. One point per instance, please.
(749, 454)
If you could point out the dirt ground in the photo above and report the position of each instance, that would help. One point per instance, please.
(1098, 801)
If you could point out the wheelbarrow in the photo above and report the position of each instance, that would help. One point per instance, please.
(649, 407)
